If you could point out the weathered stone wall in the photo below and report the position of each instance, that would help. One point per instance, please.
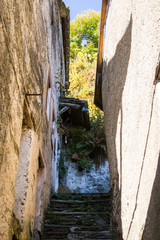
(131, 103)
(32, 73)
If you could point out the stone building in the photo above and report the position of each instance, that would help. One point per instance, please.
(128, 91)
(34, 66)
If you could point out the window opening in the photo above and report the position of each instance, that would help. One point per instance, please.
(49, 98)
(39, 193)
(14, 237)
(40, 162)
(53, 127)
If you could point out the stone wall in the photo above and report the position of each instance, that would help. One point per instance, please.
(32, 73)
(131, 104)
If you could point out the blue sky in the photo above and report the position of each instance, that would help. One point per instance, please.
(78, 6)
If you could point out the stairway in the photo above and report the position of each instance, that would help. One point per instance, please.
(78, 216)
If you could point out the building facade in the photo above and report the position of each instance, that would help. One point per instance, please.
(34, 66)
(128, 91)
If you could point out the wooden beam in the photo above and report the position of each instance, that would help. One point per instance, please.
(100, 50)
(64, 109)
(76, 106)
(98, 84)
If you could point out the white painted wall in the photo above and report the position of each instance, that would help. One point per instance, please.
(55, 158)
(95, 180)
(131, 107)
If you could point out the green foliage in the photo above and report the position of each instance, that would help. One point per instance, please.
(83, 161)
(84, 33)
(87, 144)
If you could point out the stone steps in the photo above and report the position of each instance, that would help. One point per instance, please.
(78, 216)
(79, 235)
(81, 196)
(66, 228)
(76, 206)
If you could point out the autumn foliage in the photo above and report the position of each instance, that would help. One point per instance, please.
(83, 59)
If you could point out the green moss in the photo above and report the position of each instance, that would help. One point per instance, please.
(69, 196)
(16, 230)
(56, 218)
(86, 208)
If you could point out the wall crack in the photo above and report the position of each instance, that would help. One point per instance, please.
(141, 171)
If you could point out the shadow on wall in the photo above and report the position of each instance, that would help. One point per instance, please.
(114, 78)
(152, 226)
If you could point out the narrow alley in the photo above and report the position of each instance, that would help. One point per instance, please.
(79, 120)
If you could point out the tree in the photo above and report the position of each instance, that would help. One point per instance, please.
(84, 33)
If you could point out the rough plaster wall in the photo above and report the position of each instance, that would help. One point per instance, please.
(58, 82)
(26, 57)
(26, 179)
(39, 208)
(131, 107)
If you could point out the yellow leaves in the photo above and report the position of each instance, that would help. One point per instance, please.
(84, 47)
